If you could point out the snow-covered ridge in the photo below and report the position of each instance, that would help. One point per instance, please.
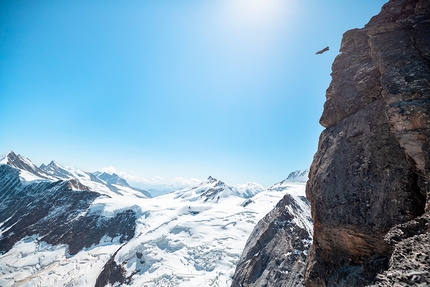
(298, 175)
(190, 237)
(54, 172)
(214, 190)
(288, 185)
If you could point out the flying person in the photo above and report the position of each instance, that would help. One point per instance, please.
(323, 50)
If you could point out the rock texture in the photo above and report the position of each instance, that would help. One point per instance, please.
(276, 250)
(410, 261)
(56, 212)
(372, 168)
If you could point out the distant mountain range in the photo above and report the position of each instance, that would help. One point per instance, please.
(99, 181)
(60, 226)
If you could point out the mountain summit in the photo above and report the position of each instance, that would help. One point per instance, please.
(23, 164)
(298, 175)
(112, 178)
(214, 190)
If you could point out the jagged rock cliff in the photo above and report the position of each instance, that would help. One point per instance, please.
(276, 250)
(369, 181)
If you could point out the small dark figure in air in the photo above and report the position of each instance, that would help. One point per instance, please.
(322, 51)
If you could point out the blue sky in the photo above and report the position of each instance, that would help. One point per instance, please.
(168, 89)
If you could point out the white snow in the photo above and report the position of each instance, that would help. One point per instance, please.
(34, 263)
(28, 178)
(298, 176)
(249, 189)
(293, 188)
(99, 186)
(183, 239)
(3, 159)
(179, 242)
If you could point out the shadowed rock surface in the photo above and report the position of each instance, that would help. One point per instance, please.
(112, 273)
(275, 252)
(56, 212)
(410, 261)
(372, 168)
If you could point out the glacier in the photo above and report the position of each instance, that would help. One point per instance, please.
(189, 237)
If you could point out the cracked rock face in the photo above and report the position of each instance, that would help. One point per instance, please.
(275, 252)
(410, 261)
(372, 168)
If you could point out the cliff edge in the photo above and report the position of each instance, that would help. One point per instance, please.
(369, 181)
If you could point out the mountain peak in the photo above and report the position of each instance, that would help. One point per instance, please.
(298, 175)
(22, 163)
(54, 163)
(10, 157)
(112, 178)
(4, 159)
(10, 153)
(56, 170)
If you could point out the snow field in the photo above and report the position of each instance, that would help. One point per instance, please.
(191, 237)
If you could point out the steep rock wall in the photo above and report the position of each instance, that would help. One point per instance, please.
(275, 252)
(372, 168)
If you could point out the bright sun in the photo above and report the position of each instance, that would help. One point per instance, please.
(257, 24)
(257, 13)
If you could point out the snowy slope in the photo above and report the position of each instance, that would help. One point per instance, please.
(177, 243)
(190, 237)
(298, 175)
(120, 183)
(214, 190)
(249, 189)
(43, 222)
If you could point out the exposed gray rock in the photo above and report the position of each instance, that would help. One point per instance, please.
(22, 163)
(372, 168)
(276, 250)
(112, 273)
(410, 261)
(57, 212)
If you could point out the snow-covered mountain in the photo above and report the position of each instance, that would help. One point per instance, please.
(119, 182)
(249, 189)
(298, 175)
(288, 185)
(112, 178)
(214, 190)
(98, 181)
(286, 230)
(58, 229)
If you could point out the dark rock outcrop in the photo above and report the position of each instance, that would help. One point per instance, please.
(275, 252)
(372, 168)
(112, 273)
(56, 212)
(410, 261)
(23, 163)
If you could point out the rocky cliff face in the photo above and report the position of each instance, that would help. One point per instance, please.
(276, 250)
(369, 181)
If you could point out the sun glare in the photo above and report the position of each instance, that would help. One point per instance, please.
(256, 23)
(260, 14)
